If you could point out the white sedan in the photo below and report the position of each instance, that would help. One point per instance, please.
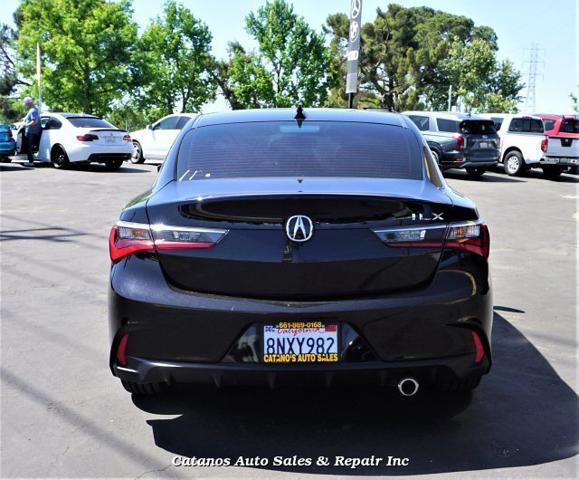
(78, 138)
(154, 141)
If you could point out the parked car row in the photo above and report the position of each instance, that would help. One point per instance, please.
(475, 143)
(519, 142)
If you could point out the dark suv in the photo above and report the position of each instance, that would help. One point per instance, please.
(459, 140)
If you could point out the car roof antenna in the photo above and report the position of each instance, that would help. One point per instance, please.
(300, 116)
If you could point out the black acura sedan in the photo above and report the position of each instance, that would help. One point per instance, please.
(300, 245)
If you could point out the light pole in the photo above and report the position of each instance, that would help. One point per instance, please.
(353, 50)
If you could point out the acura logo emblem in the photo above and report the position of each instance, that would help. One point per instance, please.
(299, 228)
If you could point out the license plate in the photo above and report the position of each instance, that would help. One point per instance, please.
(110, 139)
(484, 145)
(550, 160)
(300, 342)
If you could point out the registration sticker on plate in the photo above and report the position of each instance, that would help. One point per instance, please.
(300, 342)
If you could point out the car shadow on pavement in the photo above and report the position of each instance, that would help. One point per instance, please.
(99, 168)
(522, 414)
(489, 177)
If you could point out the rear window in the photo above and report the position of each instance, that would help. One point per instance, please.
(447, 125)
(570, 125)
(526, 125)
(283, 149)
(549, 124)
(478, 127)
(422, 123)
(89, 122)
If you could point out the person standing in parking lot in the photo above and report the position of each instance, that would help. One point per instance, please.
(33, 129)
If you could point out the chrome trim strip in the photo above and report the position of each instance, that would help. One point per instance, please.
(412, 227)
(159, 227)
(122, 223)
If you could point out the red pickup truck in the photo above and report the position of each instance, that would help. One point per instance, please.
(563, 142)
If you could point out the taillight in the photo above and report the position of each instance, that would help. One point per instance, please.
(460, 143)
(479, 351)
(470, 237)
(9, 134)
(544, 144)
(127, 238)
(122, 350)
(127, 138)
(87, 137)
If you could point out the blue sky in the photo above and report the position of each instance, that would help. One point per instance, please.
(518, 23)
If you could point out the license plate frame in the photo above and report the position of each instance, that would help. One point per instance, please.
(291, 343)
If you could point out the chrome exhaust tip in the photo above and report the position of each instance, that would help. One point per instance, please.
(408, 387)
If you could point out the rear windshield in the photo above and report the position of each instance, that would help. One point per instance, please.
(89, 122)
(570, 125)
(284, 149)
(445, 125)
(549, 124)
(478, 127)
(526, 125)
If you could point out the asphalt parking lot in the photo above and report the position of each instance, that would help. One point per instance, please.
(64, 415)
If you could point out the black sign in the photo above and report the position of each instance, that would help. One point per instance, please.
(354, 46)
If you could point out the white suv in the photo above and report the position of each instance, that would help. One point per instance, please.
(522, 140)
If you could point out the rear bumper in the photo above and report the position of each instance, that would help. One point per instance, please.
(427, 372)
(562, 161)
(85, 152)
(108, 157)
(461, 160)
(178, 336)
(7, 148)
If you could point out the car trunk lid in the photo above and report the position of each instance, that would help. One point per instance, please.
(344, 257)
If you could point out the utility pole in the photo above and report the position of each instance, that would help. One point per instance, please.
(449, 97)
(353, 50)
(535, 62)
(39, 76)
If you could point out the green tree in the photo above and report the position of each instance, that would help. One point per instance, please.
(10, 80)
(289, 66)
(243, 79)
(574, 102)
(86, 49)
(483, 83)
(402, 52)
(173, 63)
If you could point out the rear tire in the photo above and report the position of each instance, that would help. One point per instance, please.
(456, 386)
(145, 389)
(59, 158)
(514, 163)
(5, 159)
(114, 164)
(552, 171)
(137, 156)
(475, 172)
